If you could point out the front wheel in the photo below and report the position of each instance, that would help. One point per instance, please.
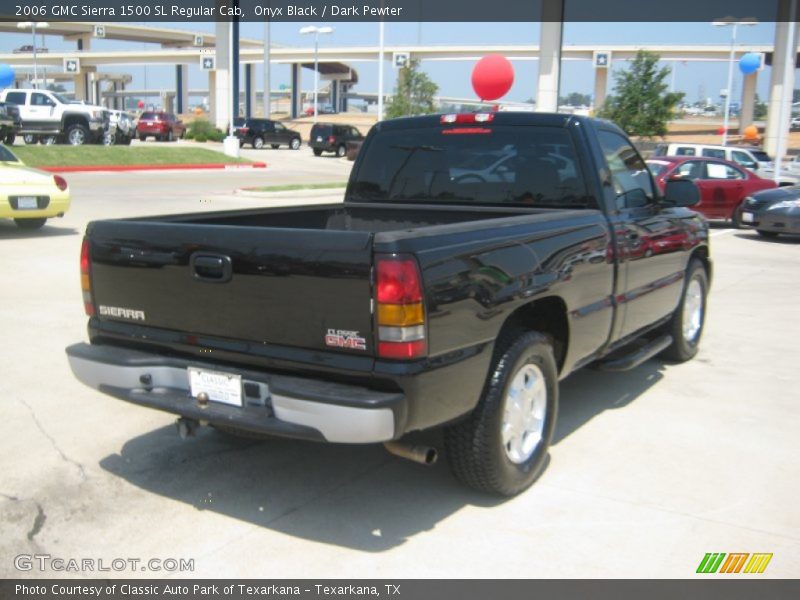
(341, 151)
(30, 223)
(317, 152)
(77, 134)
(501, 448)
(258, 142)
(688, 320)
(294, 144)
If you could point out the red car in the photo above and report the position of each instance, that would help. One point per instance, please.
(163, 126)
(723, 184)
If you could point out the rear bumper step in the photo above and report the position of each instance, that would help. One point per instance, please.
(281, 405)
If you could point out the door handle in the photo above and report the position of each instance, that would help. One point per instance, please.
(211, 268)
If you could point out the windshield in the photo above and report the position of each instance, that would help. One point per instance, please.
(60, 98)
(657, 167)
(761, 156)
(6, 155)
(472, 165)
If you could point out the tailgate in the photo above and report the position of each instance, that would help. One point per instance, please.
(264, 285)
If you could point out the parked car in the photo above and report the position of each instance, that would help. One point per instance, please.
(28, 48)
(330, 137)
(322, 109)
(29, 196)
(772, 212)
(723, 184)
(49, 117)
(122, 128)
(753, 159)
(418, 303)
(10, 123)
(260, 132)
(165, 127)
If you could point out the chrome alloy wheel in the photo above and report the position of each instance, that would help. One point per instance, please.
(524, 413)
(692, 311)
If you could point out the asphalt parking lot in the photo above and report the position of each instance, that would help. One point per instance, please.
(650, 469)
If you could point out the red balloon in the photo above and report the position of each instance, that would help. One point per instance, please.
(492, 77)
(720, 130)
(140, 104)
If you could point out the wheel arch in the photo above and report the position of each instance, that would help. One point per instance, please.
(75, 119)
(546, 315)
(701, 253)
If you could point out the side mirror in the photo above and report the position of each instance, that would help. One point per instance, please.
(681, 192)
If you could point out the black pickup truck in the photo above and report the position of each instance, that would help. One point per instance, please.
(476, 260)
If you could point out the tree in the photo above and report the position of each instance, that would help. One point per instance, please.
(413, 94)
(641, 104)
(575, 99)
(759, 108)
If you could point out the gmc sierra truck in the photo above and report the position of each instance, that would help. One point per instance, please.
(48, 117)
(477, 259)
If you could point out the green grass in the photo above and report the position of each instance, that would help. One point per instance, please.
(73, 156)
(297, 186)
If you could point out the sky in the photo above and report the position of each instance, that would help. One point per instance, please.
(453, 78)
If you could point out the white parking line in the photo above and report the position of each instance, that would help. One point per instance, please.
(724, 232)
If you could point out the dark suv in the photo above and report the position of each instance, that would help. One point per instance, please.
(258, 132)
(10, 122)
(327, 137)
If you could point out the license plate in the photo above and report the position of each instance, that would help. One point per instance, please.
(220, 387)
(319, 138)
(747, 217)
(27, 203)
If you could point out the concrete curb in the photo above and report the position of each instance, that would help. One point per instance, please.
(170, 167)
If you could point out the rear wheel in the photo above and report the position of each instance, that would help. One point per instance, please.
(29, 138)
(258, 142)
(9, 139)
(48, 140)
(77, 135)
(294, 144)
(30, 223)
(170, 136)
(688, 320)
(317, 152)
(501, 448)
(767, 234)
(341, 151)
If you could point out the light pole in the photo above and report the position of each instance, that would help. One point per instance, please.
(725, 23)
(316, 31)
(33, 25)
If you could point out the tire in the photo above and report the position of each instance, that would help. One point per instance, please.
(258, 142)
(274, 146)
(48, 140)
(317, 152)
(294, 144)
(341, 151)
(142, 138)
(77, 135)
(691, 312)
(30, 223)
(127, 140)
(9, 139)
(109, 139)
(29, 138)
(170, 136)
(767, 234)
(480, 452)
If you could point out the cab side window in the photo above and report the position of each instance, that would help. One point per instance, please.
(632, 183)
(744, 159)
(716, 170)
(15, 97)
(714, 153)
(685, 151)
(41, 100)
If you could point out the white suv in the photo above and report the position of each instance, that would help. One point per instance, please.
(49, 117)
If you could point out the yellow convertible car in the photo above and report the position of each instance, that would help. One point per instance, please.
(29, 196)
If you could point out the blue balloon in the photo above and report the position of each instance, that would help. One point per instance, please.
(6, 76)
(750, 63)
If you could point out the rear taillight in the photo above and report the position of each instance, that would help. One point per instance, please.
(400, 308)
(86, 279)
(331, 139)
(60, 182)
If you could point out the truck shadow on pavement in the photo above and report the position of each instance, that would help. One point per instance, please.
(358, 497)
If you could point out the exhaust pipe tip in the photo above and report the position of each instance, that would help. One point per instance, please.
(424, 455)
